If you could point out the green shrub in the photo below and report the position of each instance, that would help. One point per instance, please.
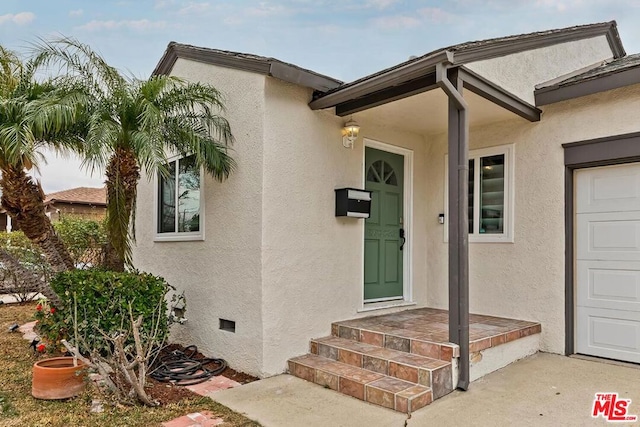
(83, 238)
(103, 299)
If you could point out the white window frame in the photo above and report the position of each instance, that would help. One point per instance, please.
(177, 236)
(509, 195)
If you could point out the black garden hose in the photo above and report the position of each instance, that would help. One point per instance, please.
(182, 368)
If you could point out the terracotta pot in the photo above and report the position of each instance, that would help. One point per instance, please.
(57, 378)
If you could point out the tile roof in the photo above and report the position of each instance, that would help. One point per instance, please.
(81, 195)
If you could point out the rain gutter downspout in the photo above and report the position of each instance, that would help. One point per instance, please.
(458, 143)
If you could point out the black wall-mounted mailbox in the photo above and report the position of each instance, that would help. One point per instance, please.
(353, 202)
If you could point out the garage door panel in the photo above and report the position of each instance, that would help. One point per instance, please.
(613, 334)
(607, 265)
(609, 284)
(609, 189)
(611, 236)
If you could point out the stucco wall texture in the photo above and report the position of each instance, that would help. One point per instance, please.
(277, 261)
(520, 72)
(525, 279)
(221, 276)
(312, 261)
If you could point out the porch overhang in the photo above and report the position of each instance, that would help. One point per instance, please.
(418, 74)
(413, 81)
(403, 83)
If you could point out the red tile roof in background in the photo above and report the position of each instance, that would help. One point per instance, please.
(81, 195)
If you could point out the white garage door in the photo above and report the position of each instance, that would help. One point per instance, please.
(607, 249)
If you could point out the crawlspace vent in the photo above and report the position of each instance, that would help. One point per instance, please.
(228, 325)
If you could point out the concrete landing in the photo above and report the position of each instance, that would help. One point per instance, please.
(541, 390)
(287, 401)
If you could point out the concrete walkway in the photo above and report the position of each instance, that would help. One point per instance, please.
(287, 401)
(543, 389)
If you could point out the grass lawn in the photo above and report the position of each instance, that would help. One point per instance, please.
(19, 408)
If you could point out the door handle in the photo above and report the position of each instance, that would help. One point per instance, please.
(403, 238)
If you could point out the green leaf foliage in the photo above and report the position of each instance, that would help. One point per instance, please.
(83, 238)
(103, 299)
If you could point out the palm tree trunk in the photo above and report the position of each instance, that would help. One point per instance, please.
(123, 174)
(23, 200)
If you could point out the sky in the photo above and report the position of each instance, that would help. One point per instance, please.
(344, 39)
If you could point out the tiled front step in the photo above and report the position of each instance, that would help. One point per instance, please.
(401, 340)
(369, 386)
(426, 331)
(433, 373)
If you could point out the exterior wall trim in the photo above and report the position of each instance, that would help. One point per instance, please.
(611, 150)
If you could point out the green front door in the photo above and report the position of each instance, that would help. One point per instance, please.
(383, 243)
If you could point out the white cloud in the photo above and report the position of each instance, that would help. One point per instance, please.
(558, 5)
(194, 8)
(395, 22)
(21, 18)
(380, 4)
(436, 15)
(233, 21)
(138, 25)
(431, 15)
(75, 13)
(574, 5)
(265, 9)
(161, 4)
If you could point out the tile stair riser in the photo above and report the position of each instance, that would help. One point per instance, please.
(425, 348)
(396, 369)
(398, 360)
(430, 348)
(407, 399)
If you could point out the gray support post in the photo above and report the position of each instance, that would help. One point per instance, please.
(463, 240)
(458, 148)
(454, 214)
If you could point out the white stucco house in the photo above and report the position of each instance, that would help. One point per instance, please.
(502, 178)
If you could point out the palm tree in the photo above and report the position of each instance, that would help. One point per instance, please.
(32, 116)
(133, 124)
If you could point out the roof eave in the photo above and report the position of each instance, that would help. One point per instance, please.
(422, 66)
(268, 66)
(610, 81)
(509, 47)
(74, 202)
(410, 71)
